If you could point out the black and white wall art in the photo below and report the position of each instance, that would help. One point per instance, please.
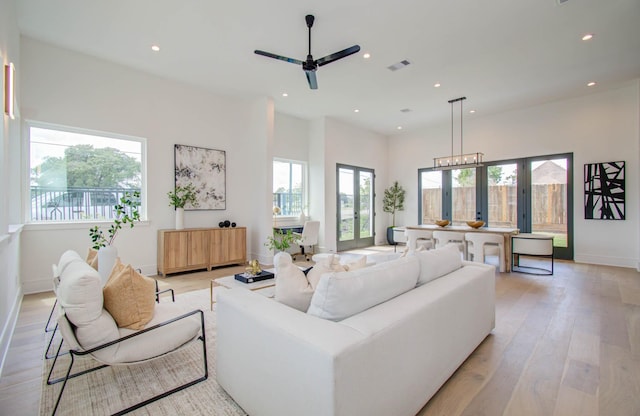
(206, 170)
(604, 191)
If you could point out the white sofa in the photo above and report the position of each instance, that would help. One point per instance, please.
(389, 359)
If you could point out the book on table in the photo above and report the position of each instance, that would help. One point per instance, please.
(250, 278)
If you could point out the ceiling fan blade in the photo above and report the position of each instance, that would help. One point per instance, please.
(311, 78)
(280, 57)
(338, 55)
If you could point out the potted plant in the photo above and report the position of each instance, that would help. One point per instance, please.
(393, 201)
(179, 197)
(279, 240)
(126, 212)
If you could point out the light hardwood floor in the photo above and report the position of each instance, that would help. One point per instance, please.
(567, 344)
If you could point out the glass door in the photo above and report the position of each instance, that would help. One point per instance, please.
(355, 202)
(550, 203)
(502, 195)
(463, 195)
(431, 196)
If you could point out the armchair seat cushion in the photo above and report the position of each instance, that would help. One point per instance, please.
(157, 342)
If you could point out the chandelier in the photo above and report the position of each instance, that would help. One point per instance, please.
(462, 160)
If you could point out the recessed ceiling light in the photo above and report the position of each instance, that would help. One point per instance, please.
(436, 85)
(591, 84)
(284, 94)
(366, 55)
(155, 48)
(399, 127)
(472, 111)
(356, 111)
(588, 36)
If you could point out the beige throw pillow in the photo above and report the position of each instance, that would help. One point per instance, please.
(129, 297)
(92, 258)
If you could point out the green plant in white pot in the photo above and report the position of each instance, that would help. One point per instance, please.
(392, 202)
(181, 196)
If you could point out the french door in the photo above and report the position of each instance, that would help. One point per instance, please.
(355, 202)
(533, 194)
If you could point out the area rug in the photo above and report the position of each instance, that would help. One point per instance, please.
(112, 389)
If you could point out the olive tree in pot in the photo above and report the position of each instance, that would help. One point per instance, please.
(393, 201)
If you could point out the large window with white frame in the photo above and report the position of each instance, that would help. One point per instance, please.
(80, 175)
(289, 186)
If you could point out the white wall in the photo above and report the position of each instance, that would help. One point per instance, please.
(599, 127)
(10, 291)
(67, 88)
(291, 137)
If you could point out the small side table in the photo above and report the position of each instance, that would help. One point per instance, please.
(535, 245)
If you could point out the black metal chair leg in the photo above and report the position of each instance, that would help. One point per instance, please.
(53, 308)
(66, 377)
(46, 352)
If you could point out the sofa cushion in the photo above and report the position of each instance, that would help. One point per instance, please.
(292, 287)
(342, 294)
(129, 297)
(436, 263)
(328, 264)
(80, 293)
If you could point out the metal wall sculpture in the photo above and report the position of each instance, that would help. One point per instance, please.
(604, 191)
(206, 170)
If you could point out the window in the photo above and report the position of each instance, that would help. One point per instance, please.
(532, 194)
(289, 186)
(79, 175)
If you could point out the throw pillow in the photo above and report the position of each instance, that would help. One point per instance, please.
(292, 287)
(129, 297)
(438, 262)
(359, 263)
(343, 294)
(328, 264)
(92, 258)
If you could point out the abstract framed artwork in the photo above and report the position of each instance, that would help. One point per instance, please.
(604, 191)
(206, 170)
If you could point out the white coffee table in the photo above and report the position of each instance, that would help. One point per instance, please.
(230, 282)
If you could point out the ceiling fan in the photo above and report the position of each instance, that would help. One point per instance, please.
(310, 65)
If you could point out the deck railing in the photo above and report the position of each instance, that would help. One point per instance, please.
(75, 203)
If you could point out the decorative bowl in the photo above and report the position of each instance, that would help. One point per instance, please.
(475, 224)
(442, 223)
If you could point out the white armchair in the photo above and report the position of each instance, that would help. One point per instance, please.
(308, 238)
(89, 330)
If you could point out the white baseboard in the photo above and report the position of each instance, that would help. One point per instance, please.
(9, 327)
(607, 261)
(37, 286)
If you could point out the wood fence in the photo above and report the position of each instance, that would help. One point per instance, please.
(549, 206)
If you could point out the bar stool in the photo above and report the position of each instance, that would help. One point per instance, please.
(481, 244)
(442, 238)
(419, 237)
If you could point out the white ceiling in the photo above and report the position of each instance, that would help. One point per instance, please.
(500, 54)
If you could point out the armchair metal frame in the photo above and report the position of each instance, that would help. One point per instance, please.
(80, 353)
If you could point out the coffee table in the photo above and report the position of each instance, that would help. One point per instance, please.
(230, 282)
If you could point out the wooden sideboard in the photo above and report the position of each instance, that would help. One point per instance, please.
(200, 248)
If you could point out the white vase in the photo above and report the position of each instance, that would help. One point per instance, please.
(302, 218)
(106, 259)
(179, 218)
